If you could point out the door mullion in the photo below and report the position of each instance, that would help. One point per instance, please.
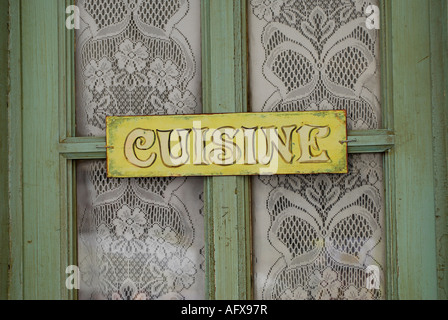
(227, 202)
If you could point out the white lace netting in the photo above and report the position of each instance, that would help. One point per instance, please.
(315, 236)
(138, 238)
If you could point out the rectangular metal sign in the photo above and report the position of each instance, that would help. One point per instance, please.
(227, 144)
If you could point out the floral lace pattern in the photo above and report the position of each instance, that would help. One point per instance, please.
(139, 239)
(315, 236)
(131, 64)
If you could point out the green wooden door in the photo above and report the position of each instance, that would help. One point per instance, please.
(4, 213)
(43, 149)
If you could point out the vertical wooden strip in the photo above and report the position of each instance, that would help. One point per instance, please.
(16, 291)
(68, 226)
(68, 252)
(439, 64)
(227, 198)
(4, 207)
(43, 274)
(208, 191)
(67, 74)
(414, 184)
(389, 160)
(244, 188)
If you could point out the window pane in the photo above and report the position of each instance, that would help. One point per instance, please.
(318, 236)
(138, 238)
(136, 58)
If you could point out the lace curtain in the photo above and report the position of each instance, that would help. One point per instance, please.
(315, 237)
(318, 237)
(138, 238)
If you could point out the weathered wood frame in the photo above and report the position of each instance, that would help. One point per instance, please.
(4, 147)
(43, 149)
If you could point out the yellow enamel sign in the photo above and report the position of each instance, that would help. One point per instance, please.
(227, 144)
